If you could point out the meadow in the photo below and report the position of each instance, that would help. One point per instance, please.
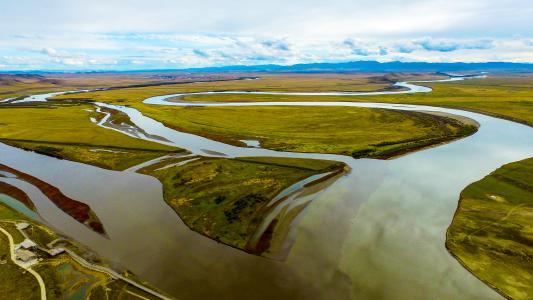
(508, 97)
(357, 132)
(491, 232)
(226, 199)
(65, 131)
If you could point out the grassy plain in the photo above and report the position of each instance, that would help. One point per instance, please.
(268, 82)
(492, 234)
(509, 97)
(360, 132)
(12, 86)
(226, 199)
(504, 96)
(66, 131)
(354, 131)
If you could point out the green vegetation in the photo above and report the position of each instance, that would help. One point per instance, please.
(492, 234)
(112, 158)
(64, 278)
(15, 282)
(360, 132)
(509, 97)
(506, 97)
(226, 199)
(65, 131)
(118, 290)
(21, 85)
(291, 82)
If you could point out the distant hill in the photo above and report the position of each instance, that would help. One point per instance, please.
(374, 66)
(354, 66)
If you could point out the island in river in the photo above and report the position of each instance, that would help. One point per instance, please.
(491, 233)
(252, 203)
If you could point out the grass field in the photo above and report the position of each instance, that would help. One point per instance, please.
(505, 97)
(268, 82)
(509, 97)
(291, 82)
(226, 199)
(360, 132)
(492, 234)
(12, 86)
(66, 131)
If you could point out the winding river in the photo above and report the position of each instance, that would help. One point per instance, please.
(376, 233)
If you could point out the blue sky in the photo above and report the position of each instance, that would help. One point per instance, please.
(125, 35)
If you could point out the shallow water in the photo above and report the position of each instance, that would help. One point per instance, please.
(376, 233)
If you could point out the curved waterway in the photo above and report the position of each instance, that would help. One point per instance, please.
(376, 233)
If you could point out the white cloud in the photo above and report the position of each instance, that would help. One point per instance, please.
(448, 45)
(167, 33)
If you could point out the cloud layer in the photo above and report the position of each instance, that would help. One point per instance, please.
(138, 34)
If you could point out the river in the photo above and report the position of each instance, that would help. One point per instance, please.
(376, 233)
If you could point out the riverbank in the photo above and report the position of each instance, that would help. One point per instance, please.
(491, 233)
(59, 272)
(356, 239)
(504, 97)
(229, 199)
(66, 132)
(356, 132)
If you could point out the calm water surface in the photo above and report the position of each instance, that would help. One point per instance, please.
(376, 233)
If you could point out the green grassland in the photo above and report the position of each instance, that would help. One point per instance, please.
(15, 86)
(492, 234)
(15, 282)
(226, 199)
(506, 97)
(12, 86)
(111, 158)
(509, 97)
(292, 82)
(24, 85)
(268, 82)
(64, 278)
(361, 132)
(65, 131)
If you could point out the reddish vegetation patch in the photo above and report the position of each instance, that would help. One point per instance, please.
(16, 193)
(264, 242)
(81, 212)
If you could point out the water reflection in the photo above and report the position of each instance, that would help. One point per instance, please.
(377, 233)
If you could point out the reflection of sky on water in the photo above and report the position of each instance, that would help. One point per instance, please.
(376, 233)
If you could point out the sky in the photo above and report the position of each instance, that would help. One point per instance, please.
(165, 34)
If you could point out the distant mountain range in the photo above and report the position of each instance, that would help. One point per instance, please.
(354, 66)
(374, 66)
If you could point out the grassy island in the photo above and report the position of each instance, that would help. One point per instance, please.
(228, 199)
(492, 234)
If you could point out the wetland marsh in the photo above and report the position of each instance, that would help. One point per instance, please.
(374, 229)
